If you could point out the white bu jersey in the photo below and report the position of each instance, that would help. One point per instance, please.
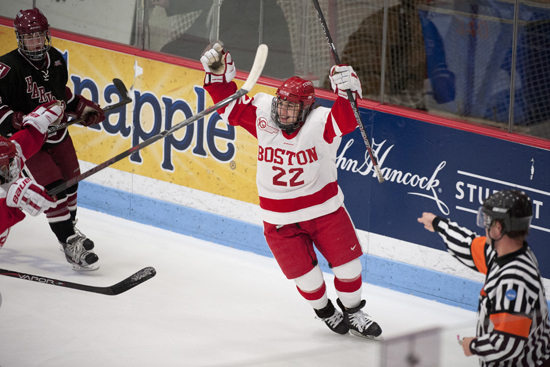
(296, 178)
(296, 174)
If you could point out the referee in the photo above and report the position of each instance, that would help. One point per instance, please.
(512, 319)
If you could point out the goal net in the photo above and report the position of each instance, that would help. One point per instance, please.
(450, 57)
(357, 29)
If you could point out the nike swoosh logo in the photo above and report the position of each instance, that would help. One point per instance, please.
(353, 248)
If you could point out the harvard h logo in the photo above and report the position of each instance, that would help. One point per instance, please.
(4, 69)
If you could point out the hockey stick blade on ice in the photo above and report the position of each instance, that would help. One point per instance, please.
(349, 93)
(121, 287)
(253, 76)
(124, 100)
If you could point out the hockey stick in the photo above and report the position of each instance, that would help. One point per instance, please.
(257, 67)
(124, 99)
(121, 287)
(349, 93)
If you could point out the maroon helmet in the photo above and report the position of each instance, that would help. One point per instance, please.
(33, 33)
(295, 90)
(9, 165)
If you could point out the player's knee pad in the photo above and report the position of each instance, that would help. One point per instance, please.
(310, 281)
(349, 270)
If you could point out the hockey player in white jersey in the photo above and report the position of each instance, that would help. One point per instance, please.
(300, 200)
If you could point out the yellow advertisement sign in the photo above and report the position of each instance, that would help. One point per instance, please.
(207, 155)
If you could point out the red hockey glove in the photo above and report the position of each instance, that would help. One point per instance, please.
(90, 111)
(343, 77)
(17, 119)
(29, 196)
(223, 73)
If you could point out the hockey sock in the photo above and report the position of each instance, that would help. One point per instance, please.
(349, 292)
(62, 230)
(318, 299)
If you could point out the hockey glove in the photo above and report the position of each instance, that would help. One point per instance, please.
(29, 196)
(223, 73)
(43, 116)
(17, 119)
(343, 77)
(90, 111)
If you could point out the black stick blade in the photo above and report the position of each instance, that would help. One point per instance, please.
(133, 280)
(121, 89)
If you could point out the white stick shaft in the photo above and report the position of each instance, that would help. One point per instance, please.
(257, 68)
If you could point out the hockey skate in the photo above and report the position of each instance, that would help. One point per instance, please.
(87, 243)
(332, 318)
(359, 323)
(77, 255)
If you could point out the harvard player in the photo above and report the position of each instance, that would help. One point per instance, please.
(17, 193)
(300, 200)
(31, 75)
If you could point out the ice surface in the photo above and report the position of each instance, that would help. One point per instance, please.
(209, 305)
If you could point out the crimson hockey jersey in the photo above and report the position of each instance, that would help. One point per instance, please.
(513, 327)
(23, 87)
(296, 174)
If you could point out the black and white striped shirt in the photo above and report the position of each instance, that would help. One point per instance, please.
(512, 327)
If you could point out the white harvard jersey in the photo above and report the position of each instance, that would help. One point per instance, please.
(296, 178)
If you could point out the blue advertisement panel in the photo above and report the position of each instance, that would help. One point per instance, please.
(446, 171)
